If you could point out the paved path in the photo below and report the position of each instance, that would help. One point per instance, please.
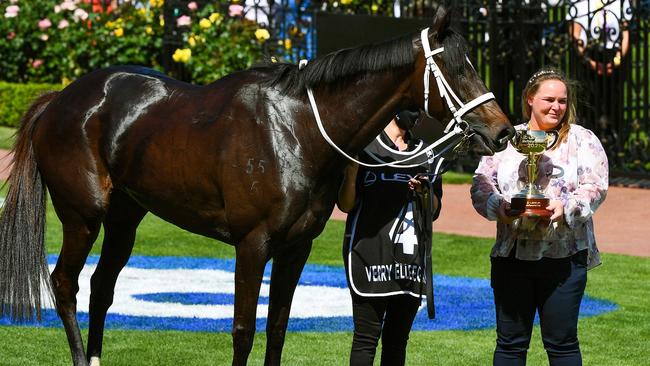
(5, 161)
(621, 222)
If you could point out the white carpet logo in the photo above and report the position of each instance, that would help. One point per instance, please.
(197, 294)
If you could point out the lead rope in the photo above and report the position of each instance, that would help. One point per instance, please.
(422, 204)
(424, 232)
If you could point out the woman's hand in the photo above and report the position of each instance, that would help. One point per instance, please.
(557, 208)
(502, 215)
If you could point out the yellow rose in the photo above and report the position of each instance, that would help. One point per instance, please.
(119, 32)
(205, 24)
(110, 24)
(374, 8)
(191, 41)
(182, 55)
(262, 34)
(156, 3)
(287, 44)
(215, 17)
(346, 2)
(162, 21)
(148, 30)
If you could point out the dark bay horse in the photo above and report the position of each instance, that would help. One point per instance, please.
(239, 160)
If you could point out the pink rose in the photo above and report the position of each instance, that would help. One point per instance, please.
(235, 10)
(80, 14)
(192, 6)
(183, 21)
(37, 63)
(11, 36)
(68, 5)
(43, 24)
(12, 11)
(63, 24)
(44, 37)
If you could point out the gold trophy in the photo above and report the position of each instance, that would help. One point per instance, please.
(530, 201)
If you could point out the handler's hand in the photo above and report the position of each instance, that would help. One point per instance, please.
(416, 183)
(557, 208)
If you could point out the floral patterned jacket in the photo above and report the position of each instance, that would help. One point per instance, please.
(576, 172)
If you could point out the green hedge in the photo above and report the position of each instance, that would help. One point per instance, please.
(16, 98)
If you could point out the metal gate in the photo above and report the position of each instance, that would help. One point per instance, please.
(603, 45)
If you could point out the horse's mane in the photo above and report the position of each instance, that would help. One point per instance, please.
(455, 54)
(338, 66)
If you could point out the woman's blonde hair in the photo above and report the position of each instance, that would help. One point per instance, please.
(551, 73)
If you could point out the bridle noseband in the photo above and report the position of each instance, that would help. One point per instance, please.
(457, 127)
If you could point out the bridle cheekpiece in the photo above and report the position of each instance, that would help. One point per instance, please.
(445, 91)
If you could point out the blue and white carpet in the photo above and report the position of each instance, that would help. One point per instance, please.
(197, 294)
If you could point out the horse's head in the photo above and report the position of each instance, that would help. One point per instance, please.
(449, 88)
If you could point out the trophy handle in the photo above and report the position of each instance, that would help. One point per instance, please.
(555, 138)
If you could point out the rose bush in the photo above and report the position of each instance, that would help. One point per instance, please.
(217, 44)
(55, 41)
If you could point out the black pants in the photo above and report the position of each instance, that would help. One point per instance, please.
(391, 318)
(553, 288)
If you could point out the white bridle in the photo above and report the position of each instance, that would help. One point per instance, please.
(445, 91)
(456, 127)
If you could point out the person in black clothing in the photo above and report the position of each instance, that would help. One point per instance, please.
(383, 259)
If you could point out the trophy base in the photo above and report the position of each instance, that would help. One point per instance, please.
(530, 207)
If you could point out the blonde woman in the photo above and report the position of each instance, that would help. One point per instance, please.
(541, 265)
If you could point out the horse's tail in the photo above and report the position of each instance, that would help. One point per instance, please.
(23, 264)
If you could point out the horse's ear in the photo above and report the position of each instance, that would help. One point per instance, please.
(441, 20)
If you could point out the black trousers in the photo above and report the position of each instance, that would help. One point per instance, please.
(390, 317)
(553, 288)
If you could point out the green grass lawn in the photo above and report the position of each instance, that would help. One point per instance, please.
(616, 338)
(6, 137)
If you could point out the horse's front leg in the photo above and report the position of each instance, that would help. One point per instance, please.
(251, 255)
(287, 267)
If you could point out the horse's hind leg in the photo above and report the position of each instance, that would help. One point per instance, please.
(120, 224)
(287, 267)
(252, 254)
(79, 234)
